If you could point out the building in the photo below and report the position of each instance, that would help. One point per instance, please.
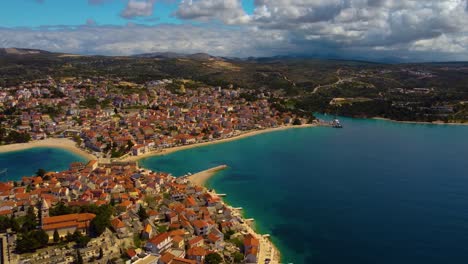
(197, 253)
(202, 228)
(67, 224)
(251, 248)
(159, 243)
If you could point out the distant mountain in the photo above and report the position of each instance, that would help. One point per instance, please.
(18, 51)
(174, 55)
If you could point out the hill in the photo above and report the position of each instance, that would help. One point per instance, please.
(417, 92)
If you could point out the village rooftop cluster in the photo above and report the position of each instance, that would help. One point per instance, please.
(119, 213)
(112, 118)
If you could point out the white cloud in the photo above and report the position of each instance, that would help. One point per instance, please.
(413, 29)
(138, 8)
(228, 11)
(134, 39)
(347, 24)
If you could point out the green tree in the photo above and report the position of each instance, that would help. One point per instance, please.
(142, 213)
(297, 122)
(30, 222)
(79, 258)
(56, 236)
(213, 258)
(41, 172)
(238, 257)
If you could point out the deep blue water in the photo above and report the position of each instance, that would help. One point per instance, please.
(27, 162)
(373, 192)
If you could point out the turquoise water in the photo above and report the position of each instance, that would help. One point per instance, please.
(373, 192)
(27, 162)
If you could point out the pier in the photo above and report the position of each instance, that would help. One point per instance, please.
(201, 177)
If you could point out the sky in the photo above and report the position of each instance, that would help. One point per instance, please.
(401, 30)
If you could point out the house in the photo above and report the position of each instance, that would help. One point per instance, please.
(216, 237)
(67, 224)
(201, 227)
(147, 232)
(159, 243)
(197, 253)
(139, 150)
(118, 226)
(166, 258)
(251, 248)
(178, 242)
(196, 242)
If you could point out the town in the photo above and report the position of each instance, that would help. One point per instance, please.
(120, 213)
(112, 118)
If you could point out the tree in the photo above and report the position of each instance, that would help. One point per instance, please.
(213, 258)
(56, 236)
(297, 122)
(238, 257)
(79, 258)
(102, 220)
(30, 222)
(142, 213)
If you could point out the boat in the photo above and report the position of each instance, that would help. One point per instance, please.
(336, 124)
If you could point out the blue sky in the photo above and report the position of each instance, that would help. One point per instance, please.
(408, 30)
(34, 13)
(31, 13)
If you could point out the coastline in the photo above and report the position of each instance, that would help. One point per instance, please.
(200, 178)
(420, 122)
(268, 250)
(196, 145)
(62, 143)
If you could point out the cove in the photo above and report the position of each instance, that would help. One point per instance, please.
(27, 162)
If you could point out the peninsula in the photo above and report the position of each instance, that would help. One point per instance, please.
(111, 208)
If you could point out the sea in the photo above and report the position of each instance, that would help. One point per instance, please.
(374, 191)
(17, 164)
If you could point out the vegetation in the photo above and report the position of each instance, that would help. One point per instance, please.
(31, 240)
(213, 258)
(307, 85)
(238, 257)
(142, 214)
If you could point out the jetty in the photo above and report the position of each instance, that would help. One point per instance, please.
(201, 177)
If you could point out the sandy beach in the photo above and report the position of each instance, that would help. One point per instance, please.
(62, 143)
(201, 177)
(237, 137)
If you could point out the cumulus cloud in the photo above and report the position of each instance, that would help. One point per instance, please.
(134, 39)
(412, 29)
(228, 11)
(347, 24)
(138, 8)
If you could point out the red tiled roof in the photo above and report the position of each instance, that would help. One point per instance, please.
(250, 240)
(196, 251)
(159, 238)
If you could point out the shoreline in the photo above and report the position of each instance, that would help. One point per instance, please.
(242, 135)
(267, 248)
(420, 122)
(61, 143)
(200, 178)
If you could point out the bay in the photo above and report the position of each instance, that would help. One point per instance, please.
(27, 162)
(373, 192)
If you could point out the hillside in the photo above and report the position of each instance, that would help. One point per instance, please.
(420, 92)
